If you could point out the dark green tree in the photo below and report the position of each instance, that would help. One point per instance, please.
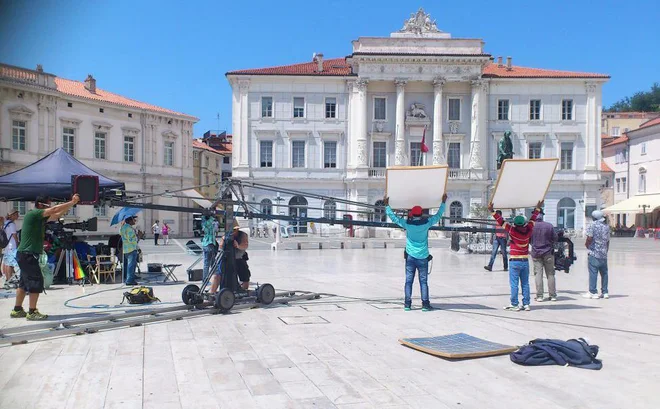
(643, 101)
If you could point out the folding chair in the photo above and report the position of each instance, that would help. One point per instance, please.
(105, 265)
(168, 269)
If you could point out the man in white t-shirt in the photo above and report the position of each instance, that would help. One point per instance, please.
(9, 259)
(155, 229)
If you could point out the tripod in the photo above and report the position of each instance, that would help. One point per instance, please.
(67, 256)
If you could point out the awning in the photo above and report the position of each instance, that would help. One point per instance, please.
(196, 197)
(635, 203)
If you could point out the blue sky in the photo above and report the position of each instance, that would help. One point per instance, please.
(175, 53)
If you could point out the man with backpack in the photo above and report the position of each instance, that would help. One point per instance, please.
(10, 246)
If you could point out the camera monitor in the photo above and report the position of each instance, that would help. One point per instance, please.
(87, 187)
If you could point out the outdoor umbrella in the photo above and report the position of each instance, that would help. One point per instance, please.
(123, 214)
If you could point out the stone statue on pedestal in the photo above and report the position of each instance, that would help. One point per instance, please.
(504, 149)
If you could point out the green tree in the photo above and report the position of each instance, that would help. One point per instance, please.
(643, 101)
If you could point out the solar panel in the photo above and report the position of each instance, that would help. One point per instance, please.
(457, 346)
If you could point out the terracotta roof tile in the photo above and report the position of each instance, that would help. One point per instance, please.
(201, 145)
(651, 122)
(77, 89)
(619, 140)
(331, 67)
(494, 71)
(604, 167)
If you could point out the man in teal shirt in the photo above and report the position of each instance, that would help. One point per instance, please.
(417, 248)
(208, 243)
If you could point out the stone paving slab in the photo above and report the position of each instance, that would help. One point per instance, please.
(253, 359)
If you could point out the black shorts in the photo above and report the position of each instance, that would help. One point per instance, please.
(31, 279)
(243, 270)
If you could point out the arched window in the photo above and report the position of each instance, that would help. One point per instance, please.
(641, 187)
(330, 209)
(455, 212)
(266, 206)
(298, 208)
(566, 213)
(379, 212)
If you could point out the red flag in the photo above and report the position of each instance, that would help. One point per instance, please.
(424, 147)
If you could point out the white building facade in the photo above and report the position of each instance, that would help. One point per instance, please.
(147, 147)
(332, 127)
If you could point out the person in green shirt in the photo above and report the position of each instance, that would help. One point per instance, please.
(29, 250)
(129, 249)
(208, 243)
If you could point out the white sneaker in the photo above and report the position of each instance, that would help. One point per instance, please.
(553, 298)
(512, 308)
(527, 308)
(591, 296)
(606, 296)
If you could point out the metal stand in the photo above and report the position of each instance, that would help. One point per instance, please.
(67, 256)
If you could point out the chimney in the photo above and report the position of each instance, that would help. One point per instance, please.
(318, 58)
(90, 84)
(508, 64)
(499, 61)
(40, 68)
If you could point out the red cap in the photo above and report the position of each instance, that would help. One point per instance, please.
(416, 211)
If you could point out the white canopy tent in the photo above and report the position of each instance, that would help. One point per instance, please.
(196, 197)
(636, 204)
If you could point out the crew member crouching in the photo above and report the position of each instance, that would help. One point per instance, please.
(239, 240)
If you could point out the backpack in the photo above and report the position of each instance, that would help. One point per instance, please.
(4, 240)
(140, 295)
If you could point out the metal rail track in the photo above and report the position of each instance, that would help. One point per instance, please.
(90, 325)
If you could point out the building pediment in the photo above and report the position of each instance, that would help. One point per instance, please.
(101, 125)
(20, 112)
(168, 134)
(130, 131)
(70, 122)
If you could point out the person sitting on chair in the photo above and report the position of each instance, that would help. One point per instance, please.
(240, 243)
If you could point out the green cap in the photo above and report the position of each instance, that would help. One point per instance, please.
(519, 220)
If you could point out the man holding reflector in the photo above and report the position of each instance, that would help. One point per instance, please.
(417, 248)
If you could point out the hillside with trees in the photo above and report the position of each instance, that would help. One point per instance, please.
(643, 101)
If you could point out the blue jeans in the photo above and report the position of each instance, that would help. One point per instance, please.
(209, 257)
(597, 265)
(131, 264)
(519, 271)
(422, 267)
(499, 242)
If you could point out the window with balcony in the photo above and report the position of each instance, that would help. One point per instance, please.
(454, 155)
(503, 110)
(567, 110)
(416, 156)
(266, 154)
(566, 158)
(380, 108)
(331, 108)
(266, 107)
(380, 154)
(18, 135)
(329, 154)
(99, 145)
(129, 149)
(298, 154)
(69, 140)
(454, 109)
(534, 150)
(535, 110)
(298, 107)
(169, 154)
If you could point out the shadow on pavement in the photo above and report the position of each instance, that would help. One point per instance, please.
(554, 306)
(461, 307)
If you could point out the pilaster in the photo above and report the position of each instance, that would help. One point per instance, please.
(438, 154)
(400, 144)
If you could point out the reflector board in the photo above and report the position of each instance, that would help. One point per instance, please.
(457, 346)
(409, 186)
(523, 182)
(198, 198)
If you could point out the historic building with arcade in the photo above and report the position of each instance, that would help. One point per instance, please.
(332, 126)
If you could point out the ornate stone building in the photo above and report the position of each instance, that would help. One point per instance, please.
(147, 147)
(332, 126)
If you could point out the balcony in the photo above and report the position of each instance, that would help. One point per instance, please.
(11, 73)
(455, 174)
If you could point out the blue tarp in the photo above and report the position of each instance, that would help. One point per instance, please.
(49, 176)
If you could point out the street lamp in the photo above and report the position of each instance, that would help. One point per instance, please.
(278, 235)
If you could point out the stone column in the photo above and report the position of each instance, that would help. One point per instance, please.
(361, 123)
(438, 152)
(593, 120)
(243, 161)
(478, 123)
(400, 144)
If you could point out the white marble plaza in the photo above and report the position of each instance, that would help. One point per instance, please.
(351, 357)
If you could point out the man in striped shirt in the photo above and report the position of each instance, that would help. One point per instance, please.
(519, 233)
